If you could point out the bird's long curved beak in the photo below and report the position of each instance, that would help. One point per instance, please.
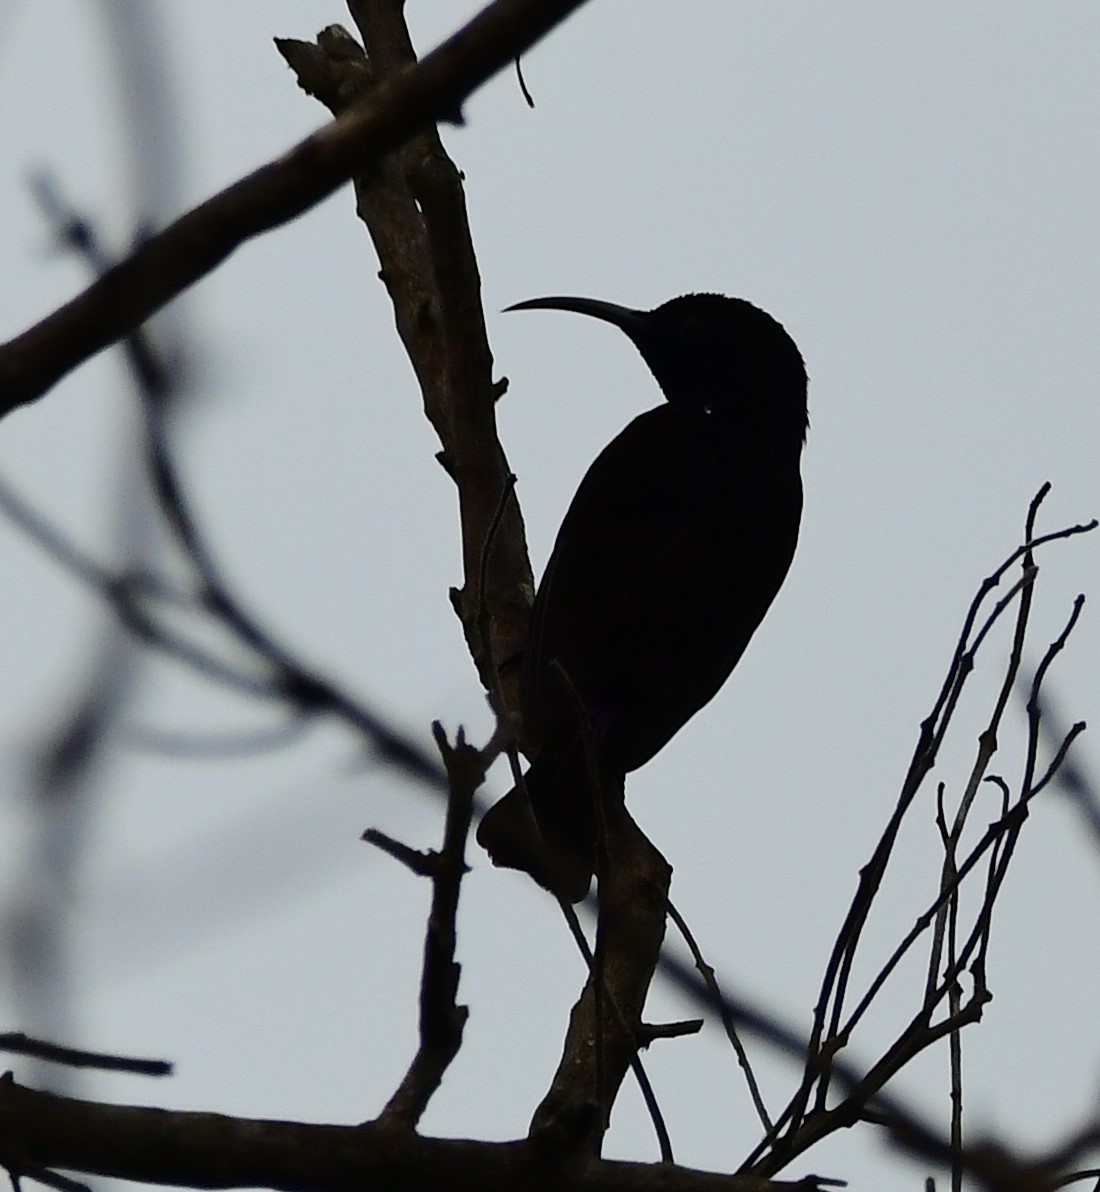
(634, 322)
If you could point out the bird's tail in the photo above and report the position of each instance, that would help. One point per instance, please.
(547, 826)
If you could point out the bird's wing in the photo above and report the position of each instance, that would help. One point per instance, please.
(665, 563)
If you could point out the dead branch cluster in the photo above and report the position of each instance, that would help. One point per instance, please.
(410, 196)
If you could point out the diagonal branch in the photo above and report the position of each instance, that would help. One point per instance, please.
(415, 211)
(276, 193)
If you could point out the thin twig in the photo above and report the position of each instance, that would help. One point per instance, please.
(988, 843)
(424, 863)
(706, 971)
(821, 1061)
(74, 1057)
(1034, 711)
(523, 83)
(1075, 783)
(987, 739)
(977, 969)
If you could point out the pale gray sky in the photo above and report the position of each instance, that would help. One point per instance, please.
(912, 191)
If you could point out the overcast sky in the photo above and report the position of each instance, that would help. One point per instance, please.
(912, 191)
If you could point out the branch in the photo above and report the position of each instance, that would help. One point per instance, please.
(710, 980)
(17, 1043)
(442, 1020)
(273, 195)
(794, 1129)
(415, 210)
(39, 1131)
(829, 1009)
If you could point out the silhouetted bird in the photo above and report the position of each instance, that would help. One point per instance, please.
(668, 558)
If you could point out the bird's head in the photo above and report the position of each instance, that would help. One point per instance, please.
(719, 355)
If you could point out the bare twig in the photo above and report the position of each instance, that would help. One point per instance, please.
(482, 618)
(945, 934)
(828, 1035)
(528, 97)
(706, 971)
(1075, 1177)
(74, 1057)
(1034, 712)
(441, 1018)
(1073, 780)
(988, 843)
(422, 862)
(633, 894)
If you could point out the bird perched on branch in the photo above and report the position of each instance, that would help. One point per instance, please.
(671, 552)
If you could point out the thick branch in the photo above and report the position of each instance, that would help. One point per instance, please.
(208, 1150)
(605, 1028)
(274, 194)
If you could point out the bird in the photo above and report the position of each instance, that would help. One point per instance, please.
(670, 554)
